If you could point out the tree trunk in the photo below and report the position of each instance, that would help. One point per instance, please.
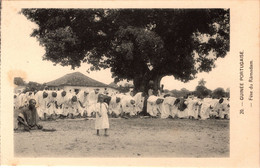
(139, 84)
(142, 84)
(156, 84)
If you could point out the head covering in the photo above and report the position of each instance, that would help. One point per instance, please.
(177, 101)
(118, 99)
(32, 100)
(74, 99)
(63, 93)
(132, 101)
(100, 96)
(44, 94)
(159, 101)
(221, 100)
(54, 94)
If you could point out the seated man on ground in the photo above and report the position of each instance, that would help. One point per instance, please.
(28, 117)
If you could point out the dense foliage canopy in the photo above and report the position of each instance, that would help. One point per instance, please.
(137, 44)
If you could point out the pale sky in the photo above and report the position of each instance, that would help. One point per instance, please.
(25, 57)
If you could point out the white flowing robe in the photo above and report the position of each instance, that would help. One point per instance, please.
(226, 107)
(22, 99)
(205, 108)
(221, 109)
(52, 109)
(16, 102)
(192, 106)
(67, 107)
(74, 107)
(197, 107)
(169, 108)
(27, 97)
(225, 111)
(101, 122)
(62, 102)
(152, 107)
(92, 100)
(41, 103)
(213, 111)
(114, 106)
(139, 102)
(127, 106)
(82, 100)
(183, 113)
(19, 102)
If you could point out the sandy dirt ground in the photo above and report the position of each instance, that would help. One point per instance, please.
(139, 137)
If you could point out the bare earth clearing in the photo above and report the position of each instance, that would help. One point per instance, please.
(139, 137)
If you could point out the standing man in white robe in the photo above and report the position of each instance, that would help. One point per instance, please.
(92, 98)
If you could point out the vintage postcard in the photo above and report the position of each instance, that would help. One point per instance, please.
(130, 83)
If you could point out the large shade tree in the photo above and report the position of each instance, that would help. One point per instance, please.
(137, 44)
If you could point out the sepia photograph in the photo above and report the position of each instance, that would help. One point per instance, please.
(140, 118)
(122, 82)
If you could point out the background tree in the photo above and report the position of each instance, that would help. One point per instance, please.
(123, 89)
(180, 93)
(33, 86)
(137, 44)
(218, 93)
(202, 82)
(202, 92)
(19, 81)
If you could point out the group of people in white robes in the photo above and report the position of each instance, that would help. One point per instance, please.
(72, 104)
(61, 103)
(126, 104)
(191, 107)
(169, 107)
